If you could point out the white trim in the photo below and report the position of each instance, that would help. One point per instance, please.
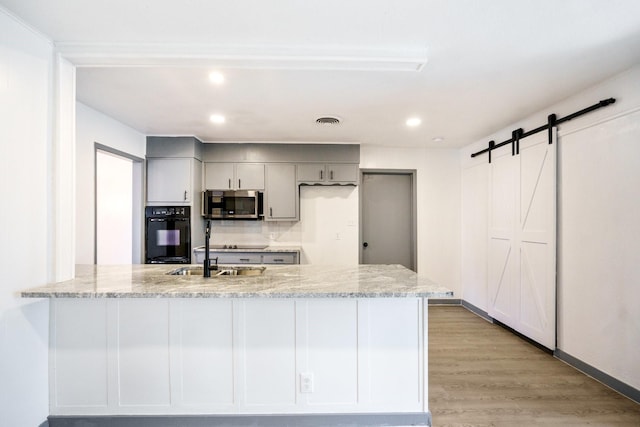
(244, 56)
(64, 168)
(599, 122)
(26, 25)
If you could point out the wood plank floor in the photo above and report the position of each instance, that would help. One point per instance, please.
(483, 375)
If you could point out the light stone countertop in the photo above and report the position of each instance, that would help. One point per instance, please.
(278, 281)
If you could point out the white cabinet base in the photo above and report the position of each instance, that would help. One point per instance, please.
(238, 356)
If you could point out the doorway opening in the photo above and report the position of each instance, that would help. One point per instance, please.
(119, 207)
(388, 213)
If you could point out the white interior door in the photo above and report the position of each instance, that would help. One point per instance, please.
(114, 209)
(522, 240)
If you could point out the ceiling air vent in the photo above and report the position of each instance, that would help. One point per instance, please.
(328, 121)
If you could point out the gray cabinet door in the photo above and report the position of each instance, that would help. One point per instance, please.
(342, 173)
(238, 258)
(280, 258)
(218, 176)
(281, 195)
(169, 180)
(225, 257)
(233, 176)
(249, 176)
(311, 172)
(320, 173)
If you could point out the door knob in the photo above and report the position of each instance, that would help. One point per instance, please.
(365, 244)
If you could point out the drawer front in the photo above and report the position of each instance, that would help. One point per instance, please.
(239, 258)
(280, 258)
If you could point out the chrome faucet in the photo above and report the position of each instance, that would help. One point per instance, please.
(207, 262)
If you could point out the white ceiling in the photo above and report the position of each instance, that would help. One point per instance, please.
(288, 62)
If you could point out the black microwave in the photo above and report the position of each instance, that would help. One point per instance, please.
(239, 204)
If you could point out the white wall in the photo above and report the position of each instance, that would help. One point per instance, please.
(329, 225)
(91, 127)
(438, 194)
(475, 234)
(26, 61)
(598, 228)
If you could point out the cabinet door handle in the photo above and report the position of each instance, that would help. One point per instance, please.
(239, 183)
(321, 173)
(331, 175)
(271, 212)
(278, 260)
(185, 195)
(229, 183)
(245, 259)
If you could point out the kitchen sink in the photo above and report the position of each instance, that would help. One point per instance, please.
(220, 271)
(187, 271)
(239, 271)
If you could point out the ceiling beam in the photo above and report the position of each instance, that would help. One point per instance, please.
(254, 57)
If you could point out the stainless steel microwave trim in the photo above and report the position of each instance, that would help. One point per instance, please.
(222, 194)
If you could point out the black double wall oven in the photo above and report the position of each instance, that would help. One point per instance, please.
(168, 235)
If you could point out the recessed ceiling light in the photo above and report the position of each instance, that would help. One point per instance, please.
(216, 77)
(438, 139)
(217, 118)
(414, 121)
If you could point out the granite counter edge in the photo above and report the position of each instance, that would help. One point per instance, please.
(222, 295)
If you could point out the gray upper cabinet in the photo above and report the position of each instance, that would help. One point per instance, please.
(281, 193)
(233, 176)
(342, 173)
(250, 176)
(169, 180)
(311, 172)
(320, 173)
(218, 176)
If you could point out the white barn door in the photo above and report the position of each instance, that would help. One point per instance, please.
(502, 251)
(522, 240)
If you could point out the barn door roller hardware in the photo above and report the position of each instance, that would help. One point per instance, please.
(552, 121)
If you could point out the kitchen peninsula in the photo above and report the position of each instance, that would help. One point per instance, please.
(302, 341)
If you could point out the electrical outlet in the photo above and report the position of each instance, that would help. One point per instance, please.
(306, 382)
